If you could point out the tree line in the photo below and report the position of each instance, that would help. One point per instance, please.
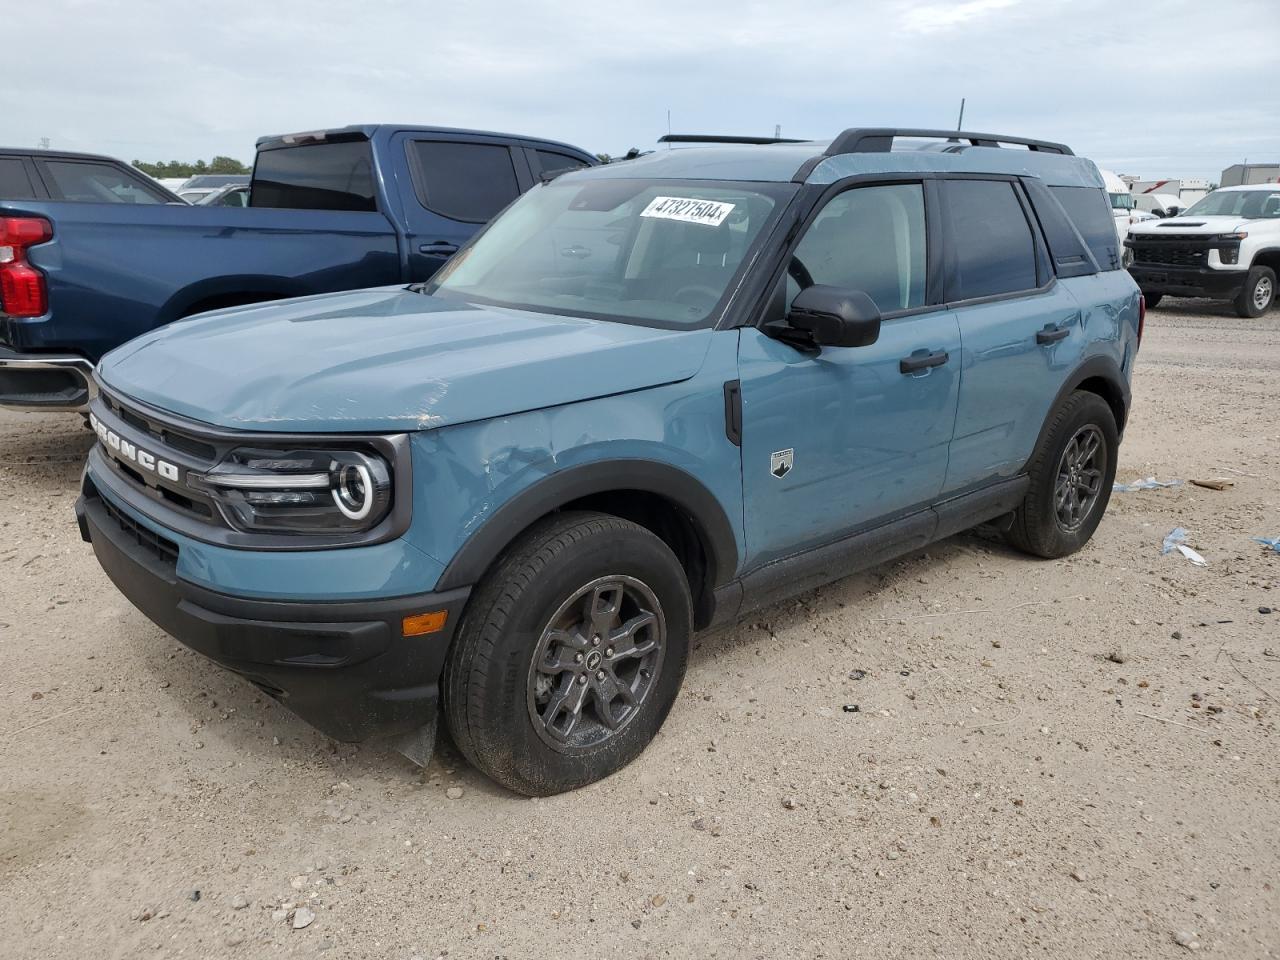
(179, 168)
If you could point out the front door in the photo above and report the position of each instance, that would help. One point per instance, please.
(842, 439)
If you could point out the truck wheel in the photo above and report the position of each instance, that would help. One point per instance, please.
(1071, 477)
(1153, 299)
(1258, 293)
(570, 654)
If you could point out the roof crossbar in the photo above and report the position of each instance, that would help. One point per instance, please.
(880, 140)
(720, 138)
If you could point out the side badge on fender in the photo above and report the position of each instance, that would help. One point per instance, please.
(780, 462)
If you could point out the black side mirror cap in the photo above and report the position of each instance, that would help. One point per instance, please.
(835, 316)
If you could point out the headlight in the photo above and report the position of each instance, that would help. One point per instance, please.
(300, 491)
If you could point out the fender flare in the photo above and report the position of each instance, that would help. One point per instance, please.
(1094, 368)
(516, 515)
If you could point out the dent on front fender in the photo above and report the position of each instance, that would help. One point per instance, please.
(463, 474)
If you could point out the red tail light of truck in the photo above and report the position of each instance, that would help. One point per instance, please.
(23, 292)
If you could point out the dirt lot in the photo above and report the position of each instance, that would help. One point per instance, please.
(1006, 789)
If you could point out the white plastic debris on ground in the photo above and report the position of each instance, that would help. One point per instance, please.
(1176, 540)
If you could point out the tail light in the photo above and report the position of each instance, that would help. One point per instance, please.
(1142, 316)
(22, 287)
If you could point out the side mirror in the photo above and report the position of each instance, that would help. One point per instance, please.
(835, 317)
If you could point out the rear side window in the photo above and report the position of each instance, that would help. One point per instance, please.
(14, 182)
(464, 181)
(87, 182)
(315, 176)
(551, 162)
(1090, 211)
(995, 251)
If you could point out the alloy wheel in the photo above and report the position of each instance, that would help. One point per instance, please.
(596, 661)
(1080, 474)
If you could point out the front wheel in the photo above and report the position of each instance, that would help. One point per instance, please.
(570, 654)
(1152, 299)
(1258, 293)
(1071, 477)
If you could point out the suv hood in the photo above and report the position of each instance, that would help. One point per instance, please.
(1188, 226)
(388, 360)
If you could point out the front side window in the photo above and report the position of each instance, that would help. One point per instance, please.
(656, 252)
(86, 182)
(315, 176)
(994, 247)
(552, 162)
(1121, 201)
(870, 239)
(471, 182)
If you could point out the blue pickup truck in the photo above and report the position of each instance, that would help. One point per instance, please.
(92, 254)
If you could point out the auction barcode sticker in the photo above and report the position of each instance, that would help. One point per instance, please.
(710, 213)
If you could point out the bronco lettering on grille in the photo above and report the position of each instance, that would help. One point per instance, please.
(122, 449)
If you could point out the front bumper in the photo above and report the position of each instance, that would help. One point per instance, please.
(343, 666)
(45, 381)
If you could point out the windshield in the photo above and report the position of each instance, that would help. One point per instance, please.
(1246, 204)
(662, 253)
(1121, 201)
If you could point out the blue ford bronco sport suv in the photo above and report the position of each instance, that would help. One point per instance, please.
(648, 398)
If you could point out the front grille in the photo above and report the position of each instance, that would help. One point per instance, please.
(161, 433)
(187, 451)
(163, 549)
(1171, 255)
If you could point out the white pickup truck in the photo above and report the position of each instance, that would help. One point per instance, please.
(1226, 246)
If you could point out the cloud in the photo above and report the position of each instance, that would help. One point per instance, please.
(1153, 87)
(935, 17)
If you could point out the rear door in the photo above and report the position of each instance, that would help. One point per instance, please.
(1021, 329)
(459, 182)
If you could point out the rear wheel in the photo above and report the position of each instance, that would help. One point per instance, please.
(1258, 293)
(570, 655)
(1071, 477)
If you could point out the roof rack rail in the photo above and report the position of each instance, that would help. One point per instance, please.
(880, 140)
(719, 138)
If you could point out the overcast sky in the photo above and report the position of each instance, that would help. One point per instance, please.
(1163, 88)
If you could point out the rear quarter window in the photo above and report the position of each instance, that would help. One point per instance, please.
(315, 176)
(14, 182)
(84, 181)
(1090, 210)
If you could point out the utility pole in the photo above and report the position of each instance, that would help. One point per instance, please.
(44, 143)
(777, 131)
(960, 122)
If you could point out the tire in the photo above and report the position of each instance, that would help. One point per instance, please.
(494, 698)
(1258, 294)
(1039, 528)
(1153, 299)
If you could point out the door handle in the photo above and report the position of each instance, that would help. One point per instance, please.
(1052, 334)
(440, 248)
(923, 360)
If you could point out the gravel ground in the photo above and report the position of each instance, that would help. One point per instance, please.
(1072, 758)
